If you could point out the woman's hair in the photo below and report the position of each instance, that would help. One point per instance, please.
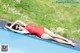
(14, 27)
(9, 24)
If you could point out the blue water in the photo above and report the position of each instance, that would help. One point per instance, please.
(19, 43)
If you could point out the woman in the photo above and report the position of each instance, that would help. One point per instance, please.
(41, 32)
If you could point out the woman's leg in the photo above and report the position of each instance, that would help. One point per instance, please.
(54, 35)
(58, 36)
(46, 36)
(64, 42)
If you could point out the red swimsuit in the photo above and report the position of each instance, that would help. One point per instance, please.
(35, 29)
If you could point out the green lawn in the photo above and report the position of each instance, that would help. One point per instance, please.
(62, 19)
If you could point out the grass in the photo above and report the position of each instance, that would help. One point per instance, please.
(45, 13)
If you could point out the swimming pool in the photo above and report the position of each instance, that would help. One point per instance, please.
(18, 43)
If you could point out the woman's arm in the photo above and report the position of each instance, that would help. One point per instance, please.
(22, 32)
(21, 23)
(18, 21)
(14, 23)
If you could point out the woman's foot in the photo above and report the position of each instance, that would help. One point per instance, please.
(73, 44)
